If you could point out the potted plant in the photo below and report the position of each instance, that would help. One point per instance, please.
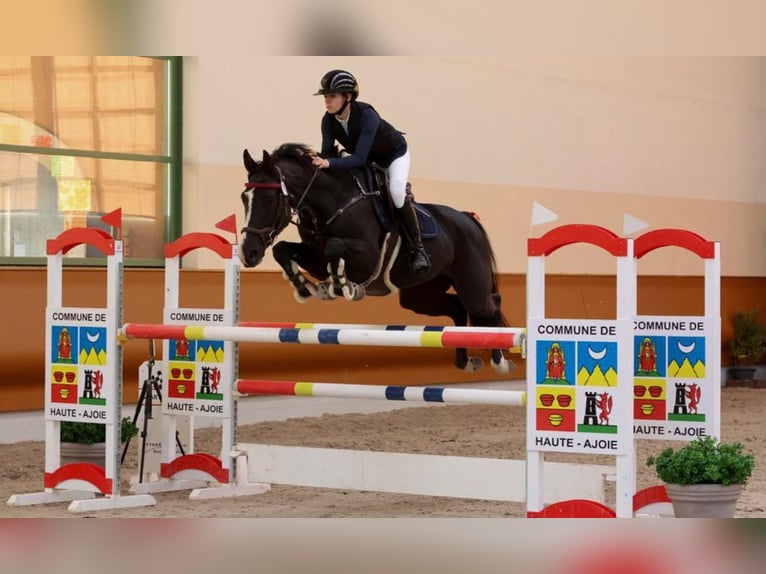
(705, 477)
(85, 442)
(747, 345)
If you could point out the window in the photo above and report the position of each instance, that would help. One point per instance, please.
(81, 136)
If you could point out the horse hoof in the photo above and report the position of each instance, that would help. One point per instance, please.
(353, 291)
(324, 292)
(504, 367)
(300, 298)
(473, 365)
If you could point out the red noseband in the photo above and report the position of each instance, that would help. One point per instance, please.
(263, 185)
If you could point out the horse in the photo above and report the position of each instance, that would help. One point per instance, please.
(349, 253)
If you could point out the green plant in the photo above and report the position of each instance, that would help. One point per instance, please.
(89, 433)
(704, 461)
(749, 341)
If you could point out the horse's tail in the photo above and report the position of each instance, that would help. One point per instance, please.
(493, 264)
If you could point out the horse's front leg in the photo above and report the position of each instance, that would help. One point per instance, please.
(294, 256)
(336, 252)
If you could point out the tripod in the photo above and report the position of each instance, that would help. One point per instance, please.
(151, 383)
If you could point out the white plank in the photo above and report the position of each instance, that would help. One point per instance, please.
(430, 475)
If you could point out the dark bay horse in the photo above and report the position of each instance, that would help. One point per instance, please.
(350, 254)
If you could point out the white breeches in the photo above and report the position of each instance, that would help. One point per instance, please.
(398, 173)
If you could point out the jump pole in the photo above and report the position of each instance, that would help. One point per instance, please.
(520, 349)
(489, 339)
(379, 392)
(83, 380)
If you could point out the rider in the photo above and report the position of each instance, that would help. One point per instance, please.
(369, 138)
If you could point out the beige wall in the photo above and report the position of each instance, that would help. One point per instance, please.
(674, 141)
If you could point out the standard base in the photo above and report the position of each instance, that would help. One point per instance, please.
(166, 485)
(229, 491)
(111, 503)
(54, 496)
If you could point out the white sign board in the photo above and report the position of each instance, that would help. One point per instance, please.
(79, 365)
(580, 396)
(673, 394)
(196, 371)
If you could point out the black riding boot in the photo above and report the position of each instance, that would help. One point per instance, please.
(419, 263)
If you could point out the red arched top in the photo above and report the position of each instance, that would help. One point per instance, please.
(192, 241)
(70, 238)
(577, 233)
(684, 238)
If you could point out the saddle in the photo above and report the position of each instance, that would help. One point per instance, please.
(371, 181)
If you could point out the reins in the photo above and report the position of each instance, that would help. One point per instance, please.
(271, 232)
(308, 186)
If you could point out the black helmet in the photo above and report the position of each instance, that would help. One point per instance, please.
(338, 82)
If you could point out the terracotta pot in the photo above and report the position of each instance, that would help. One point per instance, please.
(546, 399)
(704, 500)
(564, 400)
(639, 390)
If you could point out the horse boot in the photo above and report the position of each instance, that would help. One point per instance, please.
(418, 259)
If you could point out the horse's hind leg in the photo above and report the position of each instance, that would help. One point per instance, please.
(494, 318)
(432, 299)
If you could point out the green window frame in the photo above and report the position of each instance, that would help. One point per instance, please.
(170, 161)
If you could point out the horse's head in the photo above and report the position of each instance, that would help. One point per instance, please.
(267, 209)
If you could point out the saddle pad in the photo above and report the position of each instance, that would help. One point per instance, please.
(429, 228)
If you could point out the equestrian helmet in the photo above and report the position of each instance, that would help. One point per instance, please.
(338, 82)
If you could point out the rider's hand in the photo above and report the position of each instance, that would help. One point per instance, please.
(320, 162)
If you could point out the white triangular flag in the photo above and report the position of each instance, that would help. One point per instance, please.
(541, 214)
(631, 225)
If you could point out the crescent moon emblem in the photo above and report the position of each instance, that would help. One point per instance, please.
(92, 337)
(686, 349)
(596, 355)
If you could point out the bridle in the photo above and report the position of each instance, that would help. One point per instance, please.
(268, 233)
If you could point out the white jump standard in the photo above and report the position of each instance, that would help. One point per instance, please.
(83, 380)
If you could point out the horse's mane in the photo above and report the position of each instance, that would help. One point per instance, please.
(298, 154)
(295, 154)
(296, 151)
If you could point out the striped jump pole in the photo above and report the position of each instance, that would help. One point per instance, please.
(387, 393)
(520, 349)
(500, 338)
